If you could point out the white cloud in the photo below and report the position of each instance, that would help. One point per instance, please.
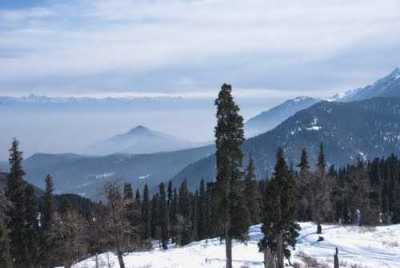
(139, 36)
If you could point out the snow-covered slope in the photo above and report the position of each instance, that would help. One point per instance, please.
(362, 246)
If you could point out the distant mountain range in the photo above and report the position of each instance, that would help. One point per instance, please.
(140, 140)
(364, 129)
(349, 130)
(46, 100)
(86, 175)
(269, 119)
(388, 86)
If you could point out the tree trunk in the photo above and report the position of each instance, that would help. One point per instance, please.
(280, 255)
(228, 248)
(120, 259)
(269, 261)
(97, 260)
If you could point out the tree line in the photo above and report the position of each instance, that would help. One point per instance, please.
(42, 232)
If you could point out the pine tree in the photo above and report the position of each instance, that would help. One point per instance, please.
(155, 217)
(202, 212)
(195, 217)
(229, 135)
(47, 223)
(304, 165)
(304, 189)
(251, 193)
(15, 193)
(5, 258)
(138, 198)
(170, 193)
(214, 228)
(173, 211)
(184, 217)
(128, 191)
(163, 217)
(279, 228)
(146, 213)
(321, 163)
(48, 211)
(321, 191)
(31, 228)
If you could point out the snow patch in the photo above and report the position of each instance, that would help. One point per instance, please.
(364, 246)
(314, 125)
(363, 156)
(316, 128)
(144, 177)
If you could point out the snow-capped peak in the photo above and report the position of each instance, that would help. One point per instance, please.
(300, 98)
(395, 74)
(381, 87)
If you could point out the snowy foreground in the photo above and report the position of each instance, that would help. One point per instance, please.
(359, 247)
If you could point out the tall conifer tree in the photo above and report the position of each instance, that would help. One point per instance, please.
(146, 213)
(304, 192)
(5, 258)
(16, 195)
(163, 217)
(31, 228)
(229, 136)
(155, 217)
(321, 191)
(138, 198)
(47, 223)
(48, 211)
(184, 217)
(279, 228)
(251, 193)
(173, 210)
(202, 212)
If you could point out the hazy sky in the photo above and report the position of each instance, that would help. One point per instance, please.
(189, 47)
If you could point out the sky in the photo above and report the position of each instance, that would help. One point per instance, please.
(190, 47)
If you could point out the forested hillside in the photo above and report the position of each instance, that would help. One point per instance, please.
(350, 131)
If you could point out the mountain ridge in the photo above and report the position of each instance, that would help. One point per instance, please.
(269, 119)
(363, 129)
(387, 86)
(85, 175)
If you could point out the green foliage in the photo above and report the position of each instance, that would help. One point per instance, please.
(163, 217)
(146, 213)
(279, 227)
(15, 193)
(251, 193)
(5, 258)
